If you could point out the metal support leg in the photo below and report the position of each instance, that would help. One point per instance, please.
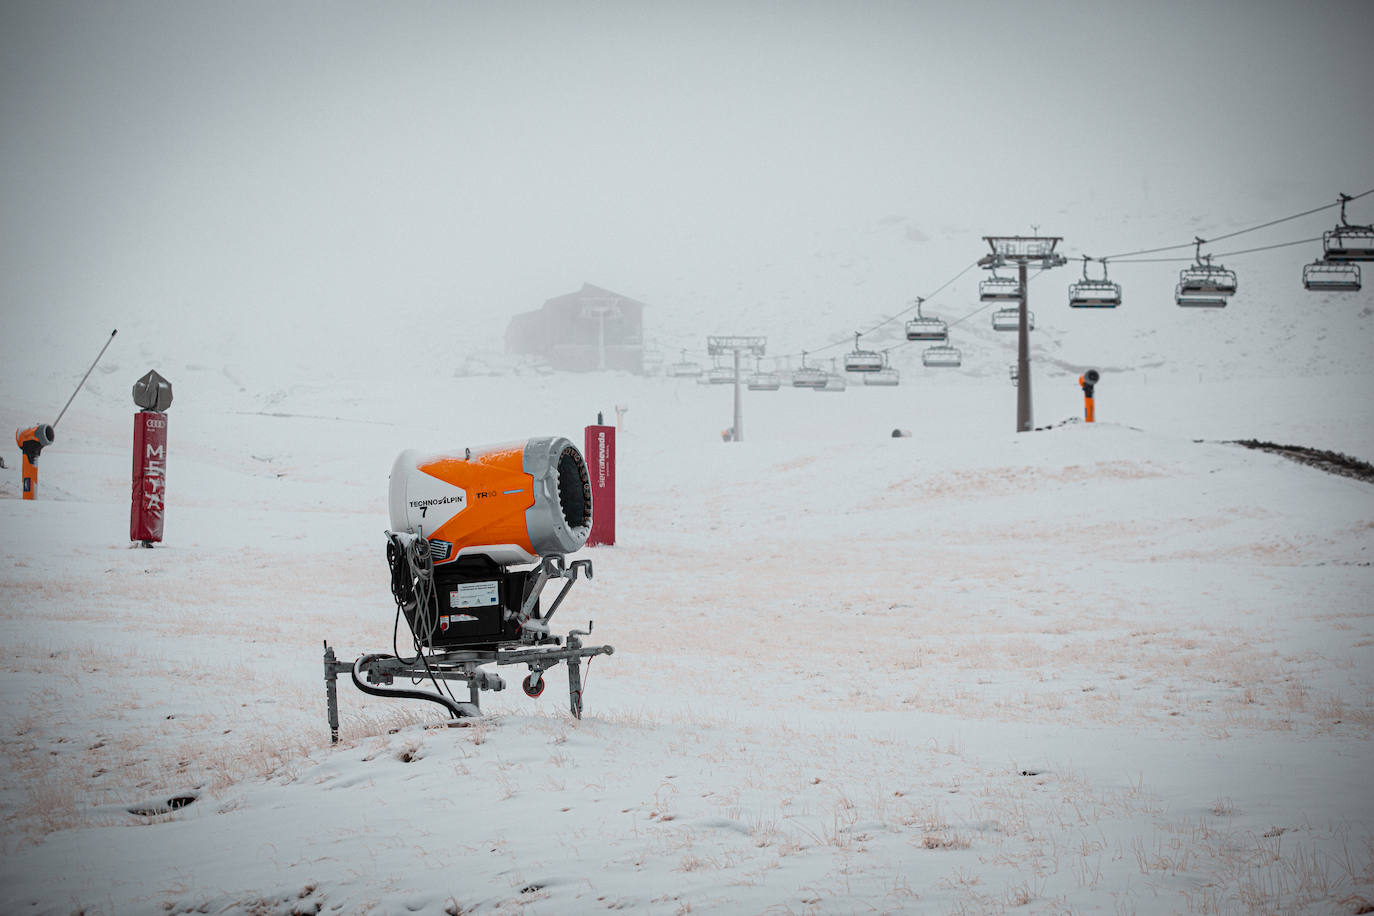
(476, 683)
(575, 686)
(457, 665)
(331, 693)
(575, 675)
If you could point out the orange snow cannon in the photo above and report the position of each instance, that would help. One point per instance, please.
(512, 503)
(1088, 381)
(31, 442)
(459, 521)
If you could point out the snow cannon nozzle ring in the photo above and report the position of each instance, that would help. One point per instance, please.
(33, 440)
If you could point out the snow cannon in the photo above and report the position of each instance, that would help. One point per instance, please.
(31, 442)
(511, 503)
(1088, 382)
(461, 522)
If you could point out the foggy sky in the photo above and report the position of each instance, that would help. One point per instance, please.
(300, 170)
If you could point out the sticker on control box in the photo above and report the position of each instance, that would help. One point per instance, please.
(474, 594)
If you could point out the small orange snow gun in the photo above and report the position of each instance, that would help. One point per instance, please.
(33, 440)
(1087, 381)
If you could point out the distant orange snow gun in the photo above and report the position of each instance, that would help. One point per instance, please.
(1088, 381)
(33, 440)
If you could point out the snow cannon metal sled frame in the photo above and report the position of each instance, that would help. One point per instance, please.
(497, 621)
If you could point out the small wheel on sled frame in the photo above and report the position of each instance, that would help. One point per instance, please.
(533, 685)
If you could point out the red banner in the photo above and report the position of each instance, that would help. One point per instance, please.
(150, 476)
(600, 457)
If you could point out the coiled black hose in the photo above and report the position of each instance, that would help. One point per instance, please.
(455, 709)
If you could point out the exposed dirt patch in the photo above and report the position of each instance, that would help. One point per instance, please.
(1331, 462)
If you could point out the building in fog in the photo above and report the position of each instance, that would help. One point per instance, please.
(584, 331)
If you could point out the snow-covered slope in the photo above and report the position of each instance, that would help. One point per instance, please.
(1121, 666)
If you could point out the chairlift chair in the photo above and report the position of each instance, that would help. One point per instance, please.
(721, 375)
(764, 381)
(1334, 276)
(1010, 320)
(808, 376)
(1347, 242)
(1208, 278)
(942, 356)
(924, 328)
(999, 289)
(834, 380)
(685, 369)
(886, 377)
(1192, 298)
(1204, 284)
(860, 360)
(1094, 294)
(760, 380)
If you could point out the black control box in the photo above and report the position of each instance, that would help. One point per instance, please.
(476, 604)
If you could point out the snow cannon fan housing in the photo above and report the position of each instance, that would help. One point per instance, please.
(510, 503)
(481, 510)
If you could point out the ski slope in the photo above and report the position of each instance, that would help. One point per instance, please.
(1117, 667)
(1120, 668)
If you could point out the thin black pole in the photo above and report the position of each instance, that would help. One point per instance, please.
(86, 376)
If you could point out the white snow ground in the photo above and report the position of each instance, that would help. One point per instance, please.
(1113, 668)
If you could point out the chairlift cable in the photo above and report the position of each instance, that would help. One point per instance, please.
(1224, 254)
(923, 299)
(939, 289)
(978, 311)
(1229, 235)
(1231, 254)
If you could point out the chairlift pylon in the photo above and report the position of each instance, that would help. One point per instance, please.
(1094, 294)
(1331, 276)
(860, 360)
(1348, 242)
(1204, 284)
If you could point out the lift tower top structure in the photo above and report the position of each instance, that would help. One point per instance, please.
(1022, 250)
(719, 346)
